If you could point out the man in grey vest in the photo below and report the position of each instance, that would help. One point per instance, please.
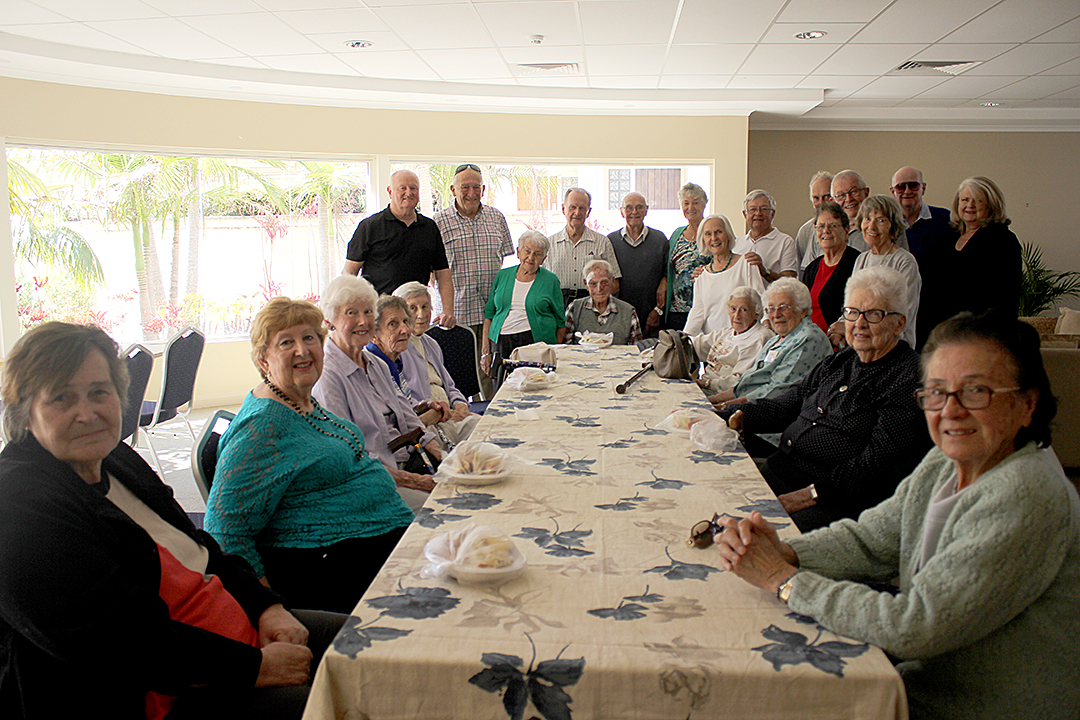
(599, 312)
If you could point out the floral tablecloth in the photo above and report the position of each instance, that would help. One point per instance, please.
(614, 616)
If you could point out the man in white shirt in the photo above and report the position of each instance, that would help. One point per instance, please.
(766, 248)
(575, 245)
(820, 191)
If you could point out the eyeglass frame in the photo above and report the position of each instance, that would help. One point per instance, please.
(467, 166)
(702, 539)
(781, 308)
(865, 314)
(922, 393)
(849, 194)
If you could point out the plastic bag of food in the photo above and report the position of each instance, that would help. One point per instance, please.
(681, 421)
(474, 553)
(595, 339)
(475, 463)
(713, 435)
(528, 379)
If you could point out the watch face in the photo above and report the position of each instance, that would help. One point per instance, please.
(785, 591)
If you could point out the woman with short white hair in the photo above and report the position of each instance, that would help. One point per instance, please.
(730, 352)
(725, 272)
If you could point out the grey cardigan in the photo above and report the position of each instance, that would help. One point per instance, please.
(990, 625)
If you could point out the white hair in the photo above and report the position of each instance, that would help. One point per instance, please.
(799, 293)
(597, 264)
(412, 289)
(745, 292)
(345, 289)
(886, 284)
(535, 238)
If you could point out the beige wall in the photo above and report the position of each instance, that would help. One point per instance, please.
(1036, 171)
(70, 116)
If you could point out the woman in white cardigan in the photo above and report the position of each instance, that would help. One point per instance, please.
(726, 272)
(984, 536)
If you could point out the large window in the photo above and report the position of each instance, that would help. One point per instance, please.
(143, 244)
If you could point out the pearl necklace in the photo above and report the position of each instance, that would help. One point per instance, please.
(352, 440)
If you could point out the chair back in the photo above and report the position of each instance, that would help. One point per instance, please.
(458, 345)
(140, 363)
(181, 364)
(205, 452)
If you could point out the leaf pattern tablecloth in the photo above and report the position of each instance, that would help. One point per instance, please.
(614, 616)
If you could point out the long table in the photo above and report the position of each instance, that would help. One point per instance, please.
(614, 616)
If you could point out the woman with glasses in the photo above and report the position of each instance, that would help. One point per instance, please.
(787, 357)
(851, 428)
(882, 223)
(984, 536)
(826, 275)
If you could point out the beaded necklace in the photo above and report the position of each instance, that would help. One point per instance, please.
(352, 440)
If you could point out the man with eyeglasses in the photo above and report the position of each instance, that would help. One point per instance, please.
(477, 238)
(765, 247)
(399, 245)
(848, 191)
(643, 256)
(820, 191)
(575, 245)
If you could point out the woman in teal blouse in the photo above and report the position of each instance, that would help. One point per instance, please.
(525, 305)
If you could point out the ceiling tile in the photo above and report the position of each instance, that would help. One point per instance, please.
(466, 64)
(19, 12)
(397, 65)
(964, 52)
(705, 59)
(966, 87)
(723, 21)
(920, 20)
(310, 22)
(764, 81)
(77, 34)
(1033, 88)
(543, 54)
(690, 82)
(898, 87)
(786, 59)
(784, 33)
(323, 63)
(1069, 32)
(868, 59)
(631, 22)
(836, 82)
(254, 34)
(167, 37)
(434, 32)
(625, 60)
(1054, 102)
(185, 8)
(101, 9)
(1070, 68)
(395, 3)
(511, 24)
(815, 11)
(1071, 93)
(1016, 21)
(1029, 59)
(381, 41)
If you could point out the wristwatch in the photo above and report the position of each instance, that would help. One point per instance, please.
(813, 493)
(783, 593)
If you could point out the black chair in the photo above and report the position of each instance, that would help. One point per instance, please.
(204, 454)
(140, 363)
(180, 366)
(458, 346)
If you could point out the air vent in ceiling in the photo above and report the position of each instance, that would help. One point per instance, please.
(524, 69)
(933, 67)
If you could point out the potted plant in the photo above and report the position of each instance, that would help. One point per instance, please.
(1041, 287)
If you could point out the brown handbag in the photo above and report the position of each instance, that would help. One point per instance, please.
(674, 356)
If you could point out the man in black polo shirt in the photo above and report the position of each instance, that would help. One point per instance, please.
(399, 244)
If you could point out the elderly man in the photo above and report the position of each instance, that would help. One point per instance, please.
(599, 312)
(766, 248)
(398, 245)
(849, 190)
(927, 226)
(820, 191)
(642, 253)
(575, 245)
(476, 238)
(851, 428)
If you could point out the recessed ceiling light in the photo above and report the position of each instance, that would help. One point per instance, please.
(358, 44)
(991, 104)
(811, 35)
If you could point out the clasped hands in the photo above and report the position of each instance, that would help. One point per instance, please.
(286, 659)
(750, 548)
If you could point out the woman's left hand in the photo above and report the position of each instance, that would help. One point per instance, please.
(443, 408)
(276, 624)
(460, 412)
(751, 549)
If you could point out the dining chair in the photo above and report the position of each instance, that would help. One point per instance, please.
(205, 452)
(140, 363)
(458, 345)
(180, 365)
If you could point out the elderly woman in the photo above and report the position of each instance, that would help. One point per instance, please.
(726, 272)
(424, 368)
(357, 386)
(525, 305)
(730, 352)
(785, 359)
(686, 256)
(850, 430)
(984, 536)
(982, 270)
(827, 275)
(601, 313)
(295, 492)
(110, 599)
(882, 223)
(393, 328)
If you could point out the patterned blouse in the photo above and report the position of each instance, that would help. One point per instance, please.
(685, 258)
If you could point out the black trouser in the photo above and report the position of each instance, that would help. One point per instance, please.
(506, 345)
(675, 320)
(273, 703)
(570, 296)
(783, 479)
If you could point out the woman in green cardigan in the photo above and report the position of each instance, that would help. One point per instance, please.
(525, 305)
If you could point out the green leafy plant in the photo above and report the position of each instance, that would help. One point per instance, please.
(1041, 287)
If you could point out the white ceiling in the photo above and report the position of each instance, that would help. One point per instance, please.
(658, 57)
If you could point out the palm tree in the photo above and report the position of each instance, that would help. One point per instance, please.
(327, 184)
